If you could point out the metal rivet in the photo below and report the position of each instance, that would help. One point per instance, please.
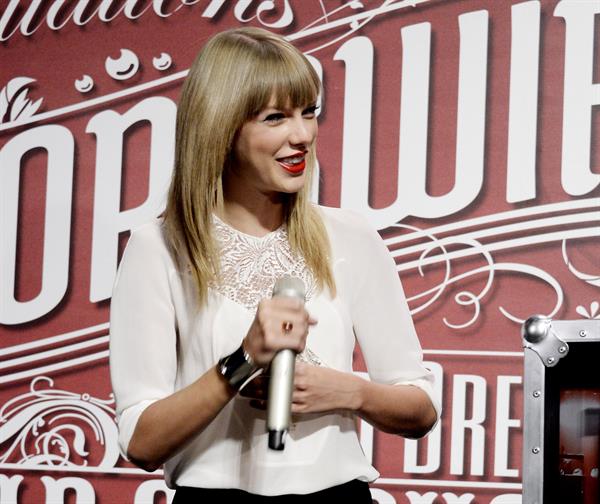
(551, 360)
(536, 450)
(562, 349)
(536, 393)
(583, 334)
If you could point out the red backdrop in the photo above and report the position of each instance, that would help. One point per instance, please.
(466, 131)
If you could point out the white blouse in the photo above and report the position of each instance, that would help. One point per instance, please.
(160, 342)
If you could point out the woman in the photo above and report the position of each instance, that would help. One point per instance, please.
(191, 318)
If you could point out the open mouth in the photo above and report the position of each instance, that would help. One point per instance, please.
(293, 164)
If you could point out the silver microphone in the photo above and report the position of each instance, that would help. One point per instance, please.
(281, 383)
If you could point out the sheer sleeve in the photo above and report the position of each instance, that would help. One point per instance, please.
(143, 360)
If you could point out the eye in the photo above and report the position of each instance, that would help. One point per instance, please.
(310, 111)
(274, 117)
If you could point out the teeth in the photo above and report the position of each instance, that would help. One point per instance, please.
(293, 160)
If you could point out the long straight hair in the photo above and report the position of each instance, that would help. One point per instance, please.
(235, 76)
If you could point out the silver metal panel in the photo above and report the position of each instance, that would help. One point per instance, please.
(545, 342)
(533, 428)
(579, 331)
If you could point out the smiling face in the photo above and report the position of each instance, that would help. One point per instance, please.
(269, 154)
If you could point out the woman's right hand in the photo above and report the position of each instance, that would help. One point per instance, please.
(267, 334)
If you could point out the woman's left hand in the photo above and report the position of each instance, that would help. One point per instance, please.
(317, 389)
(320, 389)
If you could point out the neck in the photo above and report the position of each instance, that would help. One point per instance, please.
(250, 212)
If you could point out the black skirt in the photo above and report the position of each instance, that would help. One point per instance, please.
(354, 491)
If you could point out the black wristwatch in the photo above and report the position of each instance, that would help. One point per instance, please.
(238, 368)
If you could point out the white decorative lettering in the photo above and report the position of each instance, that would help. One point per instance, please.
(580, 94)
(55, 489)
(507, 499)
(109, 128)
(23, 25)
(130, 6)
(58, 142)
(357, 54)
(382, 497)
(149, 489)
(451, 498)
(460, 423)
(417, 498)
(265, 5)
(129, 9)
(523, 105)
(213, 8)
(412, 197)
(53, 12)
(470, 130)
(503, 424)
(315, 176)
(9, 488)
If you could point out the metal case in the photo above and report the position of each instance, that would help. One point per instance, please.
(560, 355)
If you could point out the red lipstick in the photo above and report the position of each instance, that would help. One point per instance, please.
(296, 167)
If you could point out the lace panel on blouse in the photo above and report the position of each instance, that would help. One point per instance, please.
(250, 265)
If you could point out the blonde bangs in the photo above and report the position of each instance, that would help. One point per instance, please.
(280, 74)
(291, 85)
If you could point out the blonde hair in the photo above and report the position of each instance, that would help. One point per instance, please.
(233, 78)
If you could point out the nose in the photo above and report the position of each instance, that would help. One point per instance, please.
(302, 131)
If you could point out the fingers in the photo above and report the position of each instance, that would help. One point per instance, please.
(280, 323)
(301, 376)
(259, 401)
(284, 317)
(257, 390)
(300, 402)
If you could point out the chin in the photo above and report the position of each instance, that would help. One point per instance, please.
(293, 186)
(290, 184)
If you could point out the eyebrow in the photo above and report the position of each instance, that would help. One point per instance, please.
(270, 109)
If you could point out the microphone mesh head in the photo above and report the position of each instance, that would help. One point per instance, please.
(289, 286)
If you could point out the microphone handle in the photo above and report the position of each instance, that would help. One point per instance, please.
(281, 383)
(281, 386)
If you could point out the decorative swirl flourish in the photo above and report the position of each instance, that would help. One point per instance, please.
(594, 312)
(354, 25)
(33, 429)
(586, 277)
(14, 103)
(466, 297)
